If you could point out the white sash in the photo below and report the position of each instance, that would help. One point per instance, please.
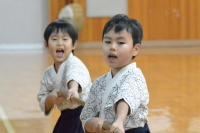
(110, 83)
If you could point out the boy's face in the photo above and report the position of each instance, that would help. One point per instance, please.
(60, 46)
(118, 49)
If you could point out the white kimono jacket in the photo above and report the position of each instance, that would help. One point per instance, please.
(71, 69)
(128, 84)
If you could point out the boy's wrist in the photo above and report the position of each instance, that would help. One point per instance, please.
(73, 85)
(120, 120)
(73, 89)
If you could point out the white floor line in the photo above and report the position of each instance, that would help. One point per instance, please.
(6, 121)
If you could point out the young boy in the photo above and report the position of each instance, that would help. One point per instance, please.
(68, 74)
(120, 96)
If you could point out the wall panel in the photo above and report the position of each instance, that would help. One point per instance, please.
(192, 19)
(183, 19)
(174, 18)
(198, 19)
(144, 19)
(161, 19)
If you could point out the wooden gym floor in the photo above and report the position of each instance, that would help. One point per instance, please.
(171, 68)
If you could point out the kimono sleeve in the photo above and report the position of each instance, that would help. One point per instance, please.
(45, 89)
(77, 71)
(133, 90)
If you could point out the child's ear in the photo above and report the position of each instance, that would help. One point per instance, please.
(74, 45)
(136, 49)
(45, 44)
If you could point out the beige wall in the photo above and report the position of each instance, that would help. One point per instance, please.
(161, 19)
(23, 21)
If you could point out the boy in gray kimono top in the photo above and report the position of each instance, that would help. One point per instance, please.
(68, 74)
(120, 96)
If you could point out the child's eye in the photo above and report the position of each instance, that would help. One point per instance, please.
(120, 43)
(107, 42)
(54, 39)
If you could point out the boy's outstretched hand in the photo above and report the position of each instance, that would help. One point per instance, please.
(94, 125)
(117, 127)
(72, 92)
(53, 97)
(122, 112)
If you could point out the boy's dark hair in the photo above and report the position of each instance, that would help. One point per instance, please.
(120, 22)
(63, 26)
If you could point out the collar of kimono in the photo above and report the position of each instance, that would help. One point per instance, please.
(110, 82)
(59, 75)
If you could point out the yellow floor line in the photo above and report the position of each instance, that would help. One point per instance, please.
(6, 121)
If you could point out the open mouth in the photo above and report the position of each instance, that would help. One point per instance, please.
(112, 56)
(59, 53)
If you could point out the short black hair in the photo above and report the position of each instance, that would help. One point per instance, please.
(63, 26)
(120, 22)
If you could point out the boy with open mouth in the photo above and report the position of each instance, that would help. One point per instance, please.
(68, 74)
